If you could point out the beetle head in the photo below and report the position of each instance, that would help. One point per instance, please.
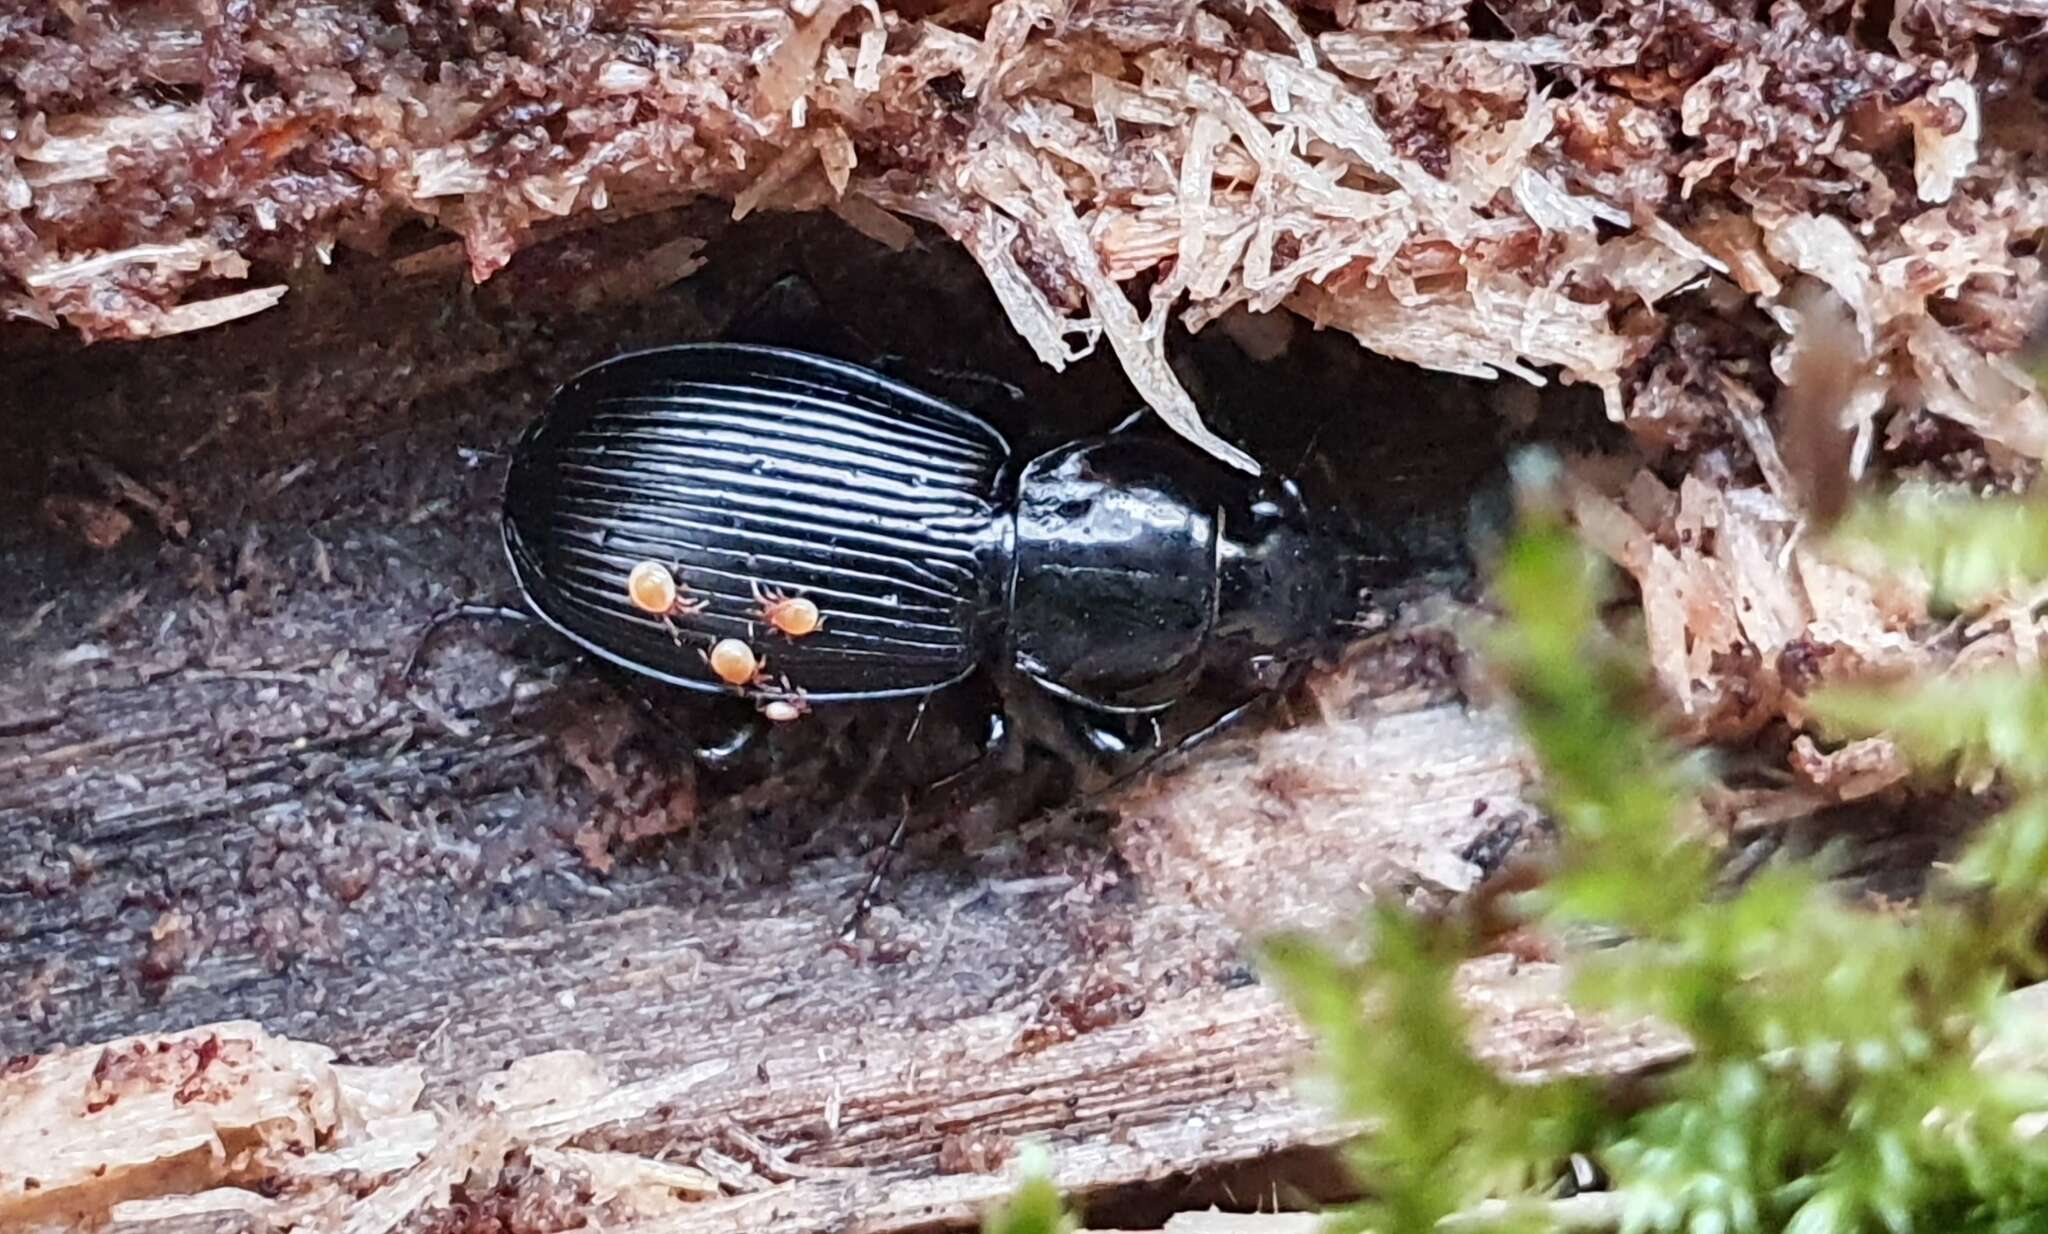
(1293, 584)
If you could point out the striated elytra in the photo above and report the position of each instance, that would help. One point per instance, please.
(905, 545)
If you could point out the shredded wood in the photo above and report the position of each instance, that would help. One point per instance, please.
(228, 1119)
(144, 1116)
(1382, 169)
(1666, 203)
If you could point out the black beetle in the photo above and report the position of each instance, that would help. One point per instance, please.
(1113, 573)
(775, 525)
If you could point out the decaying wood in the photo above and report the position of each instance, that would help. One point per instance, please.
(1664, 205)
(1411, 174)
(220, 808)
(831, 1143)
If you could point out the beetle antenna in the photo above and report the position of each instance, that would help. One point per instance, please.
(493, 612)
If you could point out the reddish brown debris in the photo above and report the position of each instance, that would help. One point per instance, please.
(183, 1066)
(99, 525)
(967, 1152)
(1474, 199)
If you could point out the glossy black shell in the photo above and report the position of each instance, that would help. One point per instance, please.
(1116, 581)
(1142, 565)
(744, 467)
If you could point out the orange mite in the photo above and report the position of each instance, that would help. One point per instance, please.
(654, 590)
(790, 704)
(795, 616)
(735, 662)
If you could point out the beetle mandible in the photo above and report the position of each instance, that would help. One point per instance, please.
(1114, 573)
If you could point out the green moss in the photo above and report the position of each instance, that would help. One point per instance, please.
(1833, 1084)
(1968, 548)
(1035, 1207)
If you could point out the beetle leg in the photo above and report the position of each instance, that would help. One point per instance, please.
(994, 743)
(733, 729)
(789, 312)
(986, 387)
(496, 612)
(1581, 1175)
(890, 848)
(1189, 742)
(1116, 736)
(1078, 732)
(721, 753)
(1010, 390)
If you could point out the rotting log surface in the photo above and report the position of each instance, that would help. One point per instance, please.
(215, 804)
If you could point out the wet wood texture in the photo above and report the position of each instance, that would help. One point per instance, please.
(217, 801)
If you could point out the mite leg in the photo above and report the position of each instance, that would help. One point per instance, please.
(494, 612)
